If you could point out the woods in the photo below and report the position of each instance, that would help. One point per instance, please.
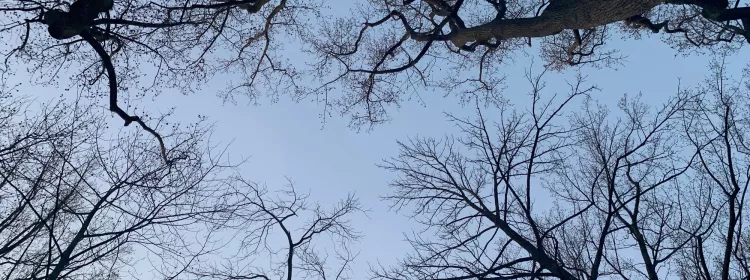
(567, 187)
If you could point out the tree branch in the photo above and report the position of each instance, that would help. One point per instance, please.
(113, 106)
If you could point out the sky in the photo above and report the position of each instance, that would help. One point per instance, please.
(286, 138)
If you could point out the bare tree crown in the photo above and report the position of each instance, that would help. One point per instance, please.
(358, 63)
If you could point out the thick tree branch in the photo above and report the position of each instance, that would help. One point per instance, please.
(143, 24)
(113, 106)
(581, 14)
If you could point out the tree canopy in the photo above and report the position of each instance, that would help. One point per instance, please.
(77, 203)
(653, 193)
(359, 63)
(635, 192)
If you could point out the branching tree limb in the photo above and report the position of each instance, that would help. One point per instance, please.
(113, 87)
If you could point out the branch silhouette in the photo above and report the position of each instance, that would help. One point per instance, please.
(113, 106)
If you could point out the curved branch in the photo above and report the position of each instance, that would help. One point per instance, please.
(107, 62)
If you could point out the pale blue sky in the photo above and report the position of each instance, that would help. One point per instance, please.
(286, 139)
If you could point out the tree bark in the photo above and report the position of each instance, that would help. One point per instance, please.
(558, 16)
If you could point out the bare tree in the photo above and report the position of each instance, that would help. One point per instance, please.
(648, 193)
(459, 45)
(81, 203)
(292, 253)
(359, 63)
(77, 204)
(716, 128)
(475, 194)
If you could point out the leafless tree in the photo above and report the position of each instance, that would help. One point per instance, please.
(79, 202)
(458, 45)
(292, 253)
(76, 203)
(358, 63)
(716, 127)
(648, 193)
